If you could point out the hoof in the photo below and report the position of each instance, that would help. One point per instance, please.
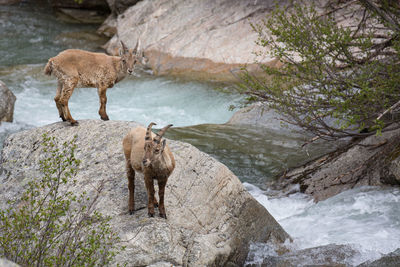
(63, 119)
(74, 123)
(105, 118)
(131, 212)
(156, 205)
(151, 215)
(163, 216)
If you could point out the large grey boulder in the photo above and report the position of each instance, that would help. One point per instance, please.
(374, 160)
(109, 26)
(191, 36)
(260, 115)
(256, 114)
(7, 101)
(204, 39)
(211, 217)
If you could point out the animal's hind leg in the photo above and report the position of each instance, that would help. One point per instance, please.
(57, 100)
(103, 102)
(68, 89)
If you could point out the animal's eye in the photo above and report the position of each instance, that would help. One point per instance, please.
(124, 60)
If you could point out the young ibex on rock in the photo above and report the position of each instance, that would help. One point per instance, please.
(145, 152)
(79, 68)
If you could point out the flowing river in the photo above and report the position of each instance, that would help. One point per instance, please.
(366, 218)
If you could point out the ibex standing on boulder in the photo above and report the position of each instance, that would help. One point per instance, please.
(145, 152)
(79, 68)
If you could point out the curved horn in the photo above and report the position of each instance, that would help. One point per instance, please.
(160, 134)
(148, 132)
(135, 50)
(124, 48)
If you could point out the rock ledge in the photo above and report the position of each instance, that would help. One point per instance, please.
(211, 217)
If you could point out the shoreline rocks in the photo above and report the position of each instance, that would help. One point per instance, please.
(329, 255)
(7, 101)
(212, 219)
(260, 115)
(179, 37)
(388, 260)
(374, 161)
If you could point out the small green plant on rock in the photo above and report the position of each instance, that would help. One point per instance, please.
(52, 226)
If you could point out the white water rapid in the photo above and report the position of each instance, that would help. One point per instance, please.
(366, 218)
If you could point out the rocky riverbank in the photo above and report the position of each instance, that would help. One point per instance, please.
(205, 39)
(373, 161)
(7, 101)
(212, 219)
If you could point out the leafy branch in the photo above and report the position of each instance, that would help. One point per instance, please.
(339, 77)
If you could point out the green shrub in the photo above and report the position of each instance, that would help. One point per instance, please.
(52, 226)
(337, 79)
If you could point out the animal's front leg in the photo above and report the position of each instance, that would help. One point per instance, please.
(66, 93)
(103, 102)
(161, 192)
(150, 195)
(131, 186)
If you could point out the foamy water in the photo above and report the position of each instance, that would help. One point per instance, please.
(141, 99)
(367, 218)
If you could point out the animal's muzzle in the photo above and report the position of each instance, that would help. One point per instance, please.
(146, 162)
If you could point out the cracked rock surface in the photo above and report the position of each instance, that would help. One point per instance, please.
(211, 221)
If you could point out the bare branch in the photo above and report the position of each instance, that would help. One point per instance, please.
(383, 15)
(388, 110)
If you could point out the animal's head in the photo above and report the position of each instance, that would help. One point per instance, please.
(129, 57)
(154, 148)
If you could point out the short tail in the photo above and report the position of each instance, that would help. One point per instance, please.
(49, 67)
